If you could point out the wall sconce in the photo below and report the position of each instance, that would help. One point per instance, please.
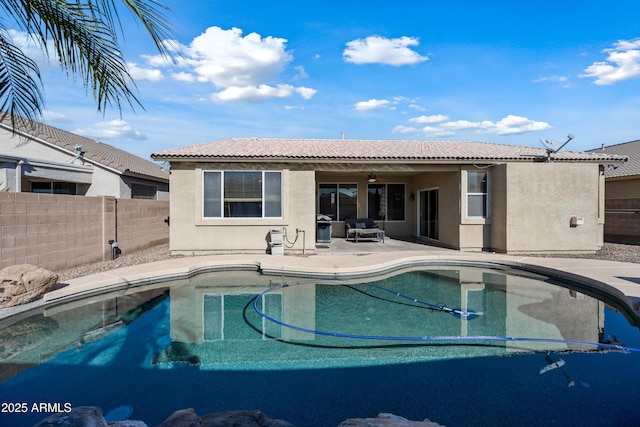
(412, 196)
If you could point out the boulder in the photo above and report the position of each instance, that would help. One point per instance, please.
(182, 418)
(386, 420)
(20, 284)
(128, 423)
(82, 416)
(242, 419)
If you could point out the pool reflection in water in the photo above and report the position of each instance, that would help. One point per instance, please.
(200, 343)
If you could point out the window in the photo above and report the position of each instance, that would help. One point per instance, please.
(477, 194)
(242, 194)
(223, 316)
(386, 202)
(140, 191)
(54, 187)
(338, 201)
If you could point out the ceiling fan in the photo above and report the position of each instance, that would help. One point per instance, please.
(372, 178)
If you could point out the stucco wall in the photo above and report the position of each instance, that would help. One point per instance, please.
(190, 233)
(448, 185)
(59, 231)
(540, 200)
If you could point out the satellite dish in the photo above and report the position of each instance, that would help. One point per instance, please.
(553, 146)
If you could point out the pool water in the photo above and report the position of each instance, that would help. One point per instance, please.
(200, 343)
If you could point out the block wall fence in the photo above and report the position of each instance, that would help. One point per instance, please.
(60, 231)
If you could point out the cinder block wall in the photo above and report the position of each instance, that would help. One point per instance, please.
(622, 221)
(60, 231)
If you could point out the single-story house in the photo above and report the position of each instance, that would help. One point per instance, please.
(228, 195)
(43, 159)
(622, 194)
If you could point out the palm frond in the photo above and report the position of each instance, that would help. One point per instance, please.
(20, 89)
(85, 37)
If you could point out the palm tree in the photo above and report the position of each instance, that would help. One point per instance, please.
(84, 35)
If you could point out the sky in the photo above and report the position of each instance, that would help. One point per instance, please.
(494, 72)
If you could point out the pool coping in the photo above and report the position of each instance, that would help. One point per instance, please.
(611, 281)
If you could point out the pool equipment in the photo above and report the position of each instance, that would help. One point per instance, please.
(457, 312)
(556, 364)
(450, 338)
(276, 242)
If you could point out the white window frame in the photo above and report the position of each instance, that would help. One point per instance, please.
(485, 194)
(263, 195)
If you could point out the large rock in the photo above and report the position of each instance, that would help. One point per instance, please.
(20, 284)
(81, 416)
(242, 419)
(189, 418)
(386, 420)
(182, 418)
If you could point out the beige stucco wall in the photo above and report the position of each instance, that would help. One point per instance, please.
(534, 202)
(530, 207)
(190, 233)
(448, 185)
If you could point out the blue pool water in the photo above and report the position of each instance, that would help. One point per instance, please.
(200, 343)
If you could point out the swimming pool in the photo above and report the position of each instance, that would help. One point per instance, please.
(316, 352)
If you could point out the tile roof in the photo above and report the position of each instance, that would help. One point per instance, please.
(374, 150)
(94, 151)
(629, 149)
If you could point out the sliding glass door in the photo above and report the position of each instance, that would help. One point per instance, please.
(429, 213)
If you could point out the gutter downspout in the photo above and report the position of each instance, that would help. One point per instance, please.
(19, 176)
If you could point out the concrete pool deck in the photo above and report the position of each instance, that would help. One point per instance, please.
(365, 259)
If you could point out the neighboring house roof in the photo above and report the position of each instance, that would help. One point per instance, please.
(629, 149)
(95, 152)
(369, 150)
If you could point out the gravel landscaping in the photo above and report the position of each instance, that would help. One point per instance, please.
(610, 251)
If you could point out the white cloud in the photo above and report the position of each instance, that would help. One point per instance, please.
(114, 129)
(32, 48)
(372, 104)
(436, 132)
(253, 93)
(139, 73)
(622, 63)
(301, 73)
(306, 92)
(227, 59)
(184, 77)
(258, 93)
(563, 81)
(381, 50)
(511, 125)
(461, 125)
(436, 118)
(405, 129)
(244, 67)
